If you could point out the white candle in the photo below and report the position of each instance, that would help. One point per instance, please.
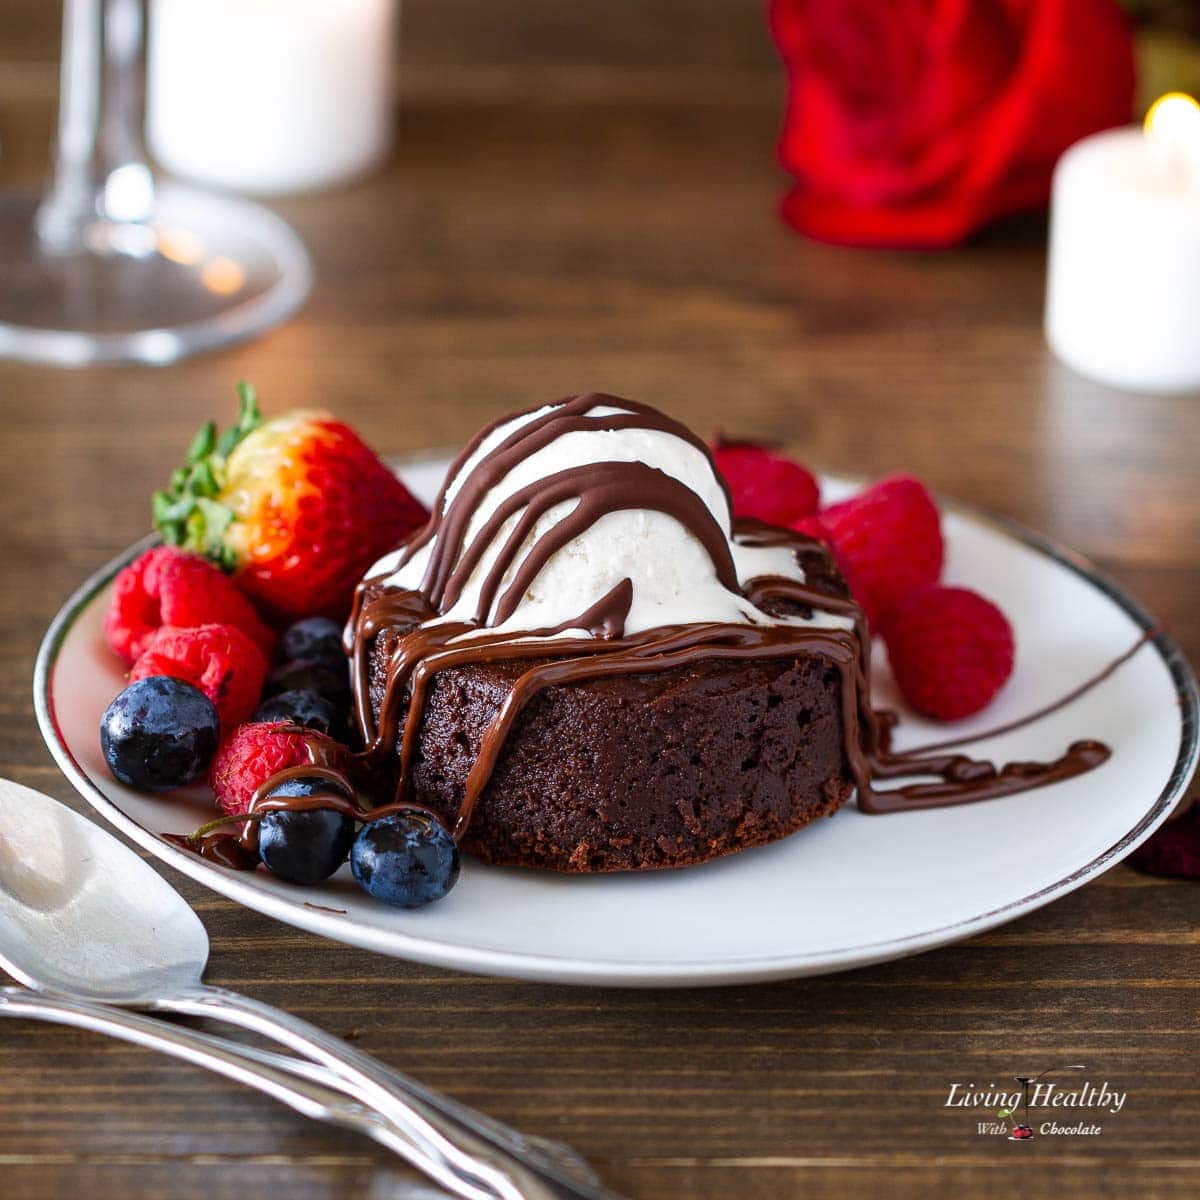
(1123, 285)
(270, 95)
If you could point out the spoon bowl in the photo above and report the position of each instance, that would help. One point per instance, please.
(82, 915)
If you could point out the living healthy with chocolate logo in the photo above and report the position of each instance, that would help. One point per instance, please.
(1040, 1103)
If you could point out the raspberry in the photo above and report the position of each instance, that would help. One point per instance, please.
(1174, 851)
(218, 659)
(888, 542)
(250, 756)
(812, 527)
(765, 485)
(951, 651)
(166, 586)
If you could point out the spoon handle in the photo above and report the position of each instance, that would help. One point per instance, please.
(514, 1172)
(305, 1096)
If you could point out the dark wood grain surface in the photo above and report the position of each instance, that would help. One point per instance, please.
(583, 197)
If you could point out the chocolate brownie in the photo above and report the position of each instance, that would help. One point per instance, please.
(662, 769)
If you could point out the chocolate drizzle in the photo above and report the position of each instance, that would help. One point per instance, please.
(1046, 710)
(328, 762)
(594, 644)
(964, 780)
(599, 488)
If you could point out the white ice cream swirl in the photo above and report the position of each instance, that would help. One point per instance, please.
(675, 579)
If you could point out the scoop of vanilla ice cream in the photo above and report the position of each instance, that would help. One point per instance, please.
(674, 581)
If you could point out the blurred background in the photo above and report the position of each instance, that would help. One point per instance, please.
(587, 196)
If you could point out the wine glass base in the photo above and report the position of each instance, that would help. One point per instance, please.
(204, 271)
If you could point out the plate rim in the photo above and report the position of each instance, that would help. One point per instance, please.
(642, 972)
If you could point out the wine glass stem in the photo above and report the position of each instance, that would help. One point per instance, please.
(100, 169)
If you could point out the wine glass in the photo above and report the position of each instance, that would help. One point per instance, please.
(114, 263)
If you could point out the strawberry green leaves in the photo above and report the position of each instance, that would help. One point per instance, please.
(249, 419)
(187, 512)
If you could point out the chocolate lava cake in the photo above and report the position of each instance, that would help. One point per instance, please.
(663, 769)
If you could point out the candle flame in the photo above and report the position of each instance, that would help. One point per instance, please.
(1174, 119)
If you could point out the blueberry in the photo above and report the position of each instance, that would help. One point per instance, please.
(314, 638)
(159, 733)
(301, 707)
(405, 860)
(312, 675)
(304, 845)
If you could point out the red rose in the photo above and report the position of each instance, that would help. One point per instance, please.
(914, 122)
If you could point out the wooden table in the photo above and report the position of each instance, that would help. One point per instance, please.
(548, 228)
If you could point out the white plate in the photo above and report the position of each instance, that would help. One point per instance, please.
(845, 892)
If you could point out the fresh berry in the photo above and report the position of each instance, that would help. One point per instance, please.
(1174, 850)
(304, 846)
(406, 860)
(313, 639)
(297, 507)
(159, 733)
(333, 683)
(251, 755)
(765, 485)
(218, 659)
(166, 586)
(301, 707)
(951, 651)
(812, 527)
(888, 542)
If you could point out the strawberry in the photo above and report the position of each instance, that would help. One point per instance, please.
(297, 508)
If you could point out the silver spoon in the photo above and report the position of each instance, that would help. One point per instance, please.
(83, 918)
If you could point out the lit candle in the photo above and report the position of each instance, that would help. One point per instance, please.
(270, 95)
(1123, 288)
